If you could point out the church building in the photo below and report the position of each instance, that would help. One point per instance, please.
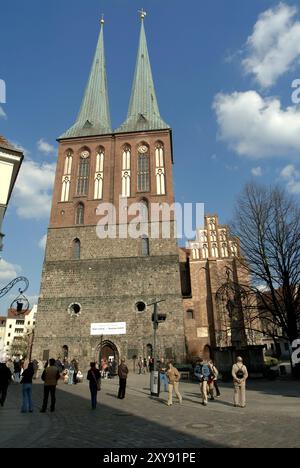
(90, 280)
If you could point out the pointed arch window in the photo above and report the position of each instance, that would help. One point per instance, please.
(66, 179)
(205, 251)
(214, 249)
(143, 183)
(160, 169)
(224, 250)
(126, 171)
(99, 173)
(145, 246)
(196, 255)
(79, 216)
(76, 249)
(83, 173)
(234, 249)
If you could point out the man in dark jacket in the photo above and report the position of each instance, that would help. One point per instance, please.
(50, 376)
(122, 373)
(5, 379)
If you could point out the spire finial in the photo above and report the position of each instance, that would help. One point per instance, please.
(102, 19)
(143, 14)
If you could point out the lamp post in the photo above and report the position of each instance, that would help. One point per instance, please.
(10, 164)
(156, 319)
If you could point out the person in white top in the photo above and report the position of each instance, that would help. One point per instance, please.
(240, 376)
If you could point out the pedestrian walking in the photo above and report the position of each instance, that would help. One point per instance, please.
(145, 368)
(71, 373)
(215, 374)
(240, 376)
(140, 365)
(17, 369)
(50, 377)
(173, 376)
(76, 368)
(26, 382)
(94, 378)
(203, 373)
(122, 373)
(162, 375)
(5, 380)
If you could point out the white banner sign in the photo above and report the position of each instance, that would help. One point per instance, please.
(115, 328)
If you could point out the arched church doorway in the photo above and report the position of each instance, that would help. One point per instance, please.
(108, 352)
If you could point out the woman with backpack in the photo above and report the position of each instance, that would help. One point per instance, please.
(204, 374)
(240, 375)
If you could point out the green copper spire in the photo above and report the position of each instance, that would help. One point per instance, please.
(143, 113)
(94, 116)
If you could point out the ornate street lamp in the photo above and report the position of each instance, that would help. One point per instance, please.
(10, 163)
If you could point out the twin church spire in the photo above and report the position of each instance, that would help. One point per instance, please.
(143, 113)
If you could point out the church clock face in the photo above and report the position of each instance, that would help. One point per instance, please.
(142, 149)
(85, 154)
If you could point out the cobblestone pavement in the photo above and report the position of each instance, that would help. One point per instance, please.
(271, 418)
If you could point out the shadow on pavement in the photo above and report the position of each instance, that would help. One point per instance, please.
(75, 425)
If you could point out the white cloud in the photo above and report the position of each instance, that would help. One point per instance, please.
(256, 171)
(19, 147)
(33, 190)
(2, 114)
(45, 147)
(8, 271)
(274, 46)
(292, 178)
(42, 242)
(257, 127)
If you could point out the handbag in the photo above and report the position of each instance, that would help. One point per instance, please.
(98, 382)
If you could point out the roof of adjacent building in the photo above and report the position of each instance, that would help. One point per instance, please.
(6, 145)
(143, 113)
(13, 314)
(94, 115)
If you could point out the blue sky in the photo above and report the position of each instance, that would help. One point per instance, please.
(223, 71)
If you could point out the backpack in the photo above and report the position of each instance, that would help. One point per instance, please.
(240, 373)
(206, 372)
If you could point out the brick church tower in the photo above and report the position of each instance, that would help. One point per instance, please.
(88, 279)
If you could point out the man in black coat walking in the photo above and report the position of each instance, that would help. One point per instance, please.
(5, 379)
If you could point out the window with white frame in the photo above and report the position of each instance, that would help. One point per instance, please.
(160, 170)
(126, 171)
(99, 174)
(66, 179)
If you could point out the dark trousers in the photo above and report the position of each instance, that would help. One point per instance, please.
(75, 377)
(94, 392)
(3, 393)
(49, 389)
(217, 388)
(122, 388)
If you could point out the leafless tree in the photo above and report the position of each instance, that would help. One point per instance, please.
(267, 222)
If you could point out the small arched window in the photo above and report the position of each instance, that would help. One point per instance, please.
(145, 246)
(76, 249)
(79, 216)
(190, 314)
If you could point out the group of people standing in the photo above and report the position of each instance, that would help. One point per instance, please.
(94, 378)
(205, 372)
(207, 375)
